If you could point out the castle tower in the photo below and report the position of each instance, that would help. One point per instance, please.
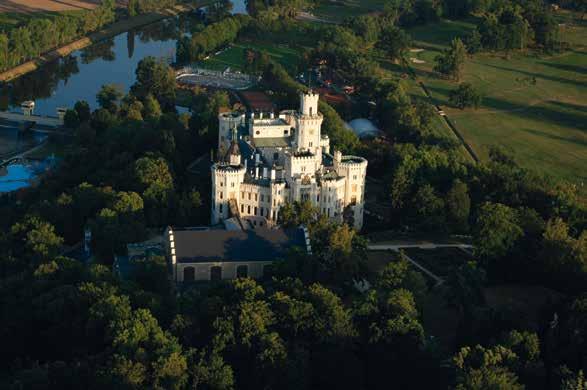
(226, 122)
(308, 123)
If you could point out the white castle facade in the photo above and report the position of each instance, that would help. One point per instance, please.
(266, 161)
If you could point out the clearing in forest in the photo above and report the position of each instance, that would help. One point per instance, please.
(534, 104)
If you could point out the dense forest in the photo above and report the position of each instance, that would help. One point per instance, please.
(70, 325)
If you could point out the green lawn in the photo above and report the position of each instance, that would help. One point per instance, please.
(338, 11)
(534, 105)
(234, 56)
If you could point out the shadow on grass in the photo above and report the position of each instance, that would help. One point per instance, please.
(542, 134)
(566, 67)
(540, 76)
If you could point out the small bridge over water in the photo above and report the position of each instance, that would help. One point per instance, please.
(35, 119)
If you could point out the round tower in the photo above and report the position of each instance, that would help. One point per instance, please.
(308, 124)
(226, 122)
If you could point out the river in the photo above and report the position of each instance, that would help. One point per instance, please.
(80, 75)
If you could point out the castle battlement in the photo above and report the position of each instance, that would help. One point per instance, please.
(280, 160)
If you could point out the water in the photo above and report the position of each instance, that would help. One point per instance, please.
(17, 176)
(80, 76)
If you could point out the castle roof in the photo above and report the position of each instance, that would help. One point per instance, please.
(220, 245)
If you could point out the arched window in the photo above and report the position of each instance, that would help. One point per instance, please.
(267, 271)
(242, 271)
(216, 273)
(189, 274)
(311, 111)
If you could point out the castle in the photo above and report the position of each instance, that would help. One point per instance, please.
(266, 161)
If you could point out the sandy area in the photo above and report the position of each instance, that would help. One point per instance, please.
(47, 5)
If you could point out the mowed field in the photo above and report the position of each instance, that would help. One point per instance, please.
(28, 6)
(534, 105)
(234, 56)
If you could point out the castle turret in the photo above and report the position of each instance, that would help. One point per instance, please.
(308, 123)
(226, 122)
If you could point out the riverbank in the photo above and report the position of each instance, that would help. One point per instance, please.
(108, 32)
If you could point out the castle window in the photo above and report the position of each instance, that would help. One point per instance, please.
(310, 144)
(221, 184)
(221, 194)
(242, 195)
(353, 200)
(232, 184)
(249, 196)
(311, 110)
(279, 192)
(255, 211)
(262, 198)
(317, 198)
(257, 132)
(216, 273)
(242, 271)
(248, 209)
(189, 274)
(261, 211)
(273, 215)
(354, 177)
(255, 197)
(285, 132)
(220, 208)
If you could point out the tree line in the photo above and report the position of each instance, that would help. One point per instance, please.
(211, 38)
(37, 36)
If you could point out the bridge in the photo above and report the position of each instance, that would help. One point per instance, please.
(36, 119)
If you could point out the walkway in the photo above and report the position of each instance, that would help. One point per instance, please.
(424, 245)
(37, 119)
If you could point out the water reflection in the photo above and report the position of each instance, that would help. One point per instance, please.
(80, 75)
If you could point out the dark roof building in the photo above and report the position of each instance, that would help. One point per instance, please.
(226, 254)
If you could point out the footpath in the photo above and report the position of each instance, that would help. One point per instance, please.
(97, 36)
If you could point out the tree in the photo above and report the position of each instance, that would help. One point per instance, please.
(465, 96)
(38, 237)
(496, 230)
(71, 119)
(473, 42)
(108, 96)
(394, 41)
(152, 109)
(458, 204)
(482, 368)
(83, 110)
(154, 78)
(451, 62)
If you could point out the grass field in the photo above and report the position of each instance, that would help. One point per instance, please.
(234, 56)
(534, 105)
(337, 11)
